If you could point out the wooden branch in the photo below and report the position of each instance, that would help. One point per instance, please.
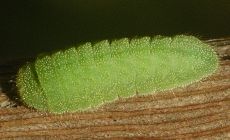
(201, 110)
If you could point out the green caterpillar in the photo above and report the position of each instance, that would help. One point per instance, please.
(85, 77)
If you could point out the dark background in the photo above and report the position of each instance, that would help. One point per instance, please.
(29, 27)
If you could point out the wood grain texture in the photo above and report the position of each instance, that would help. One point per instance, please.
(199, 111)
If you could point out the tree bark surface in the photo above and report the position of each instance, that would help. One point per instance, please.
(198, 111)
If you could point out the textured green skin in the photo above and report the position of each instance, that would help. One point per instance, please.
(83, 78)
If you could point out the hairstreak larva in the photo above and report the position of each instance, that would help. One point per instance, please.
(80, 78)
